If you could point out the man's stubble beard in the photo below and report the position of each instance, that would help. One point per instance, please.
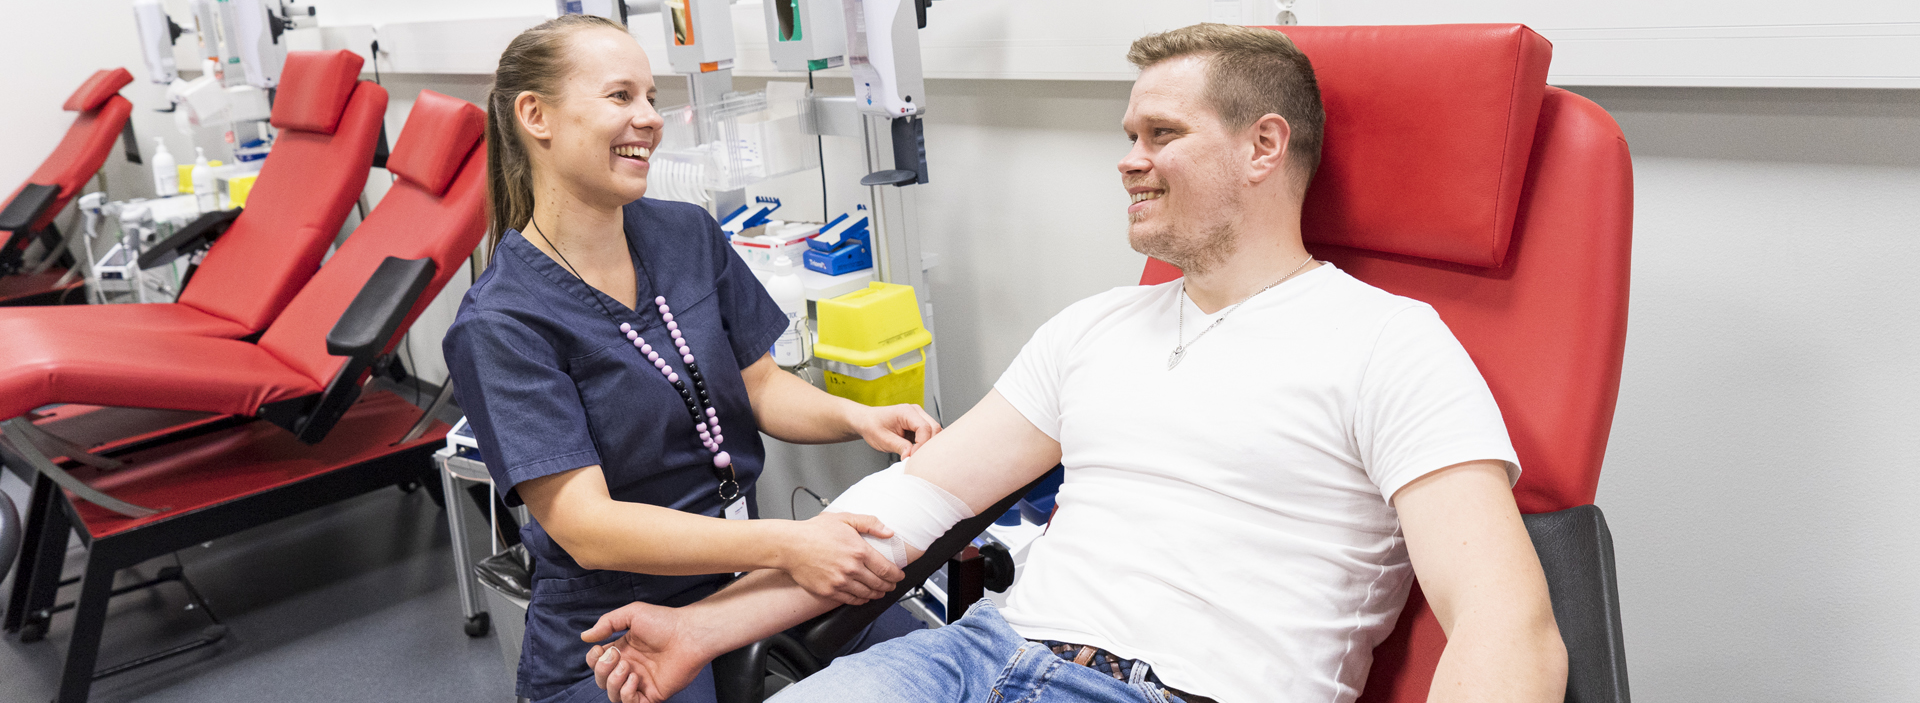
(1195, 248)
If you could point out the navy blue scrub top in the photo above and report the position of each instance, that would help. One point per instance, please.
(550, 384)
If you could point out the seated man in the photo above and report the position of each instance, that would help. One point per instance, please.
(1259, 457)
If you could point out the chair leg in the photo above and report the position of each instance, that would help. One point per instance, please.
(470, 603)
(39, 578)
(89, 622)
(30, 553)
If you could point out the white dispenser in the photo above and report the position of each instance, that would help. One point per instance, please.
(166, 175)
(204, 193)
(794, 347)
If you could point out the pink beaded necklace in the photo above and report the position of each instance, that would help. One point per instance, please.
(706, 419)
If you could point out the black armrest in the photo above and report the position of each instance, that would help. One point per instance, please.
(363, 330)
(196, 234)
(827, 634)
(1576, 550)
(374, 314)
(740, 676)
(29, 205)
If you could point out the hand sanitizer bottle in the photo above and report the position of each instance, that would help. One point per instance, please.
(166, 176)
(204, 194)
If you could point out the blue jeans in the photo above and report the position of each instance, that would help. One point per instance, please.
(977, 659)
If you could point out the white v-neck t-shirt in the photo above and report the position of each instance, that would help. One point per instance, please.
(1228, 520)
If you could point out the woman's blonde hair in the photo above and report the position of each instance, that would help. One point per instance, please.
(534, 62)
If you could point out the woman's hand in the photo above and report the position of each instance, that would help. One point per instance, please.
(827, 556)
(894, 429)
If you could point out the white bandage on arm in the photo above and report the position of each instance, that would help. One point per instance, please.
(917, 511)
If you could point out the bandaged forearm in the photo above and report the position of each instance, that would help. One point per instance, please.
(917, 511)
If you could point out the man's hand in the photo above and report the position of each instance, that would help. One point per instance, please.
(648, 664)
(827, 556)
(894, 429)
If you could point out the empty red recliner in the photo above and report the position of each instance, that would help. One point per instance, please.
(1452, 174)
(74, 161)
(328, 122)
(304, 375)
(434, 212)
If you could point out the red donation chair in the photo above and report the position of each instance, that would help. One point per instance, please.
(1451, 174)
(27, 215)
(324, 439)
(260, 256)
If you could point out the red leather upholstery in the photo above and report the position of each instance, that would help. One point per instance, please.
(82, 151)
(1547, 326)
(103, 84)
(146, 318)
(42, 364)
(314, 89)
(444, 129)
(410, 223)
(309, 183)
(175, 372)
(306, 187)
(1423, 162)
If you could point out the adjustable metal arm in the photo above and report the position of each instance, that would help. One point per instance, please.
(198, 233)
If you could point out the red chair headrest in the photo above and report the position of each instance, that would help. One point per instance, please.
(440, 132)
(1428, 133)
(314, 88)
(103, 84)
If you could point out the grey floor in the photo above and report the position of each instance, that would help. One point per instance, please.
(352, 602)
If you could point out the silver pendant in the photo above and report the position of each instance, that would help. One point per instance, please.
(1174, 358)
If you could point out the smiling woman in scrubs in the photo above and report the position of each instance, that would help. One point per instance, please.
(613, 362)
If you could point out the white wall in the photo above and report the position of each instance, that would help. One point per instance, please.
(52, 48)
(1762, 471)
(1764, 456)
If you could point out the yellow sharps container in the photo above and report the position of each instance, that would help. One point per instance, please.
(873, 345)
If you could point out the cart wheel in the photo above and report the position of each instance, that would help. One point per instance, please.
(33, 631)
(478, 625)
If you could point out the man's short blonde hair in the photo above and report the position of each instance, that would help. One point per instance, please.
(1251, 73)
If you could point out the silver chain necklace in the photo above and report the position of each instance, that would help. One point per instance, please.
(1180, 350)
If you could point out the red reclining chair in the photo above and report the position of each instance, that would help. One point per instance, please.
(324, 441)
(28, 213)
(1454, 175)
(329, 121)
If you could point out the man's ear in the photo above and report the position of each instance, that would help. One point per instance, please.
(532, 115)
(1269, 157)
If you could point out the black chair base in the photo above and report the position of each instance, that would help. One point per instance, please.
(369, 435)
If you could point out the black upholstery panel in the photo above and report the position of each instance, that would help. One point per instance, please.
(1576, 550)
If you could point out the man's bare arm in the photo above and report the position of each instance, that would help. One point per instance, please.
(1479, 571)
(989, 453)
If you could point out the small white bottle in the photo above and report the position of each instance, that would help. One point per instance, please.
(204, 194)
(794, 347)
(166, 175)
